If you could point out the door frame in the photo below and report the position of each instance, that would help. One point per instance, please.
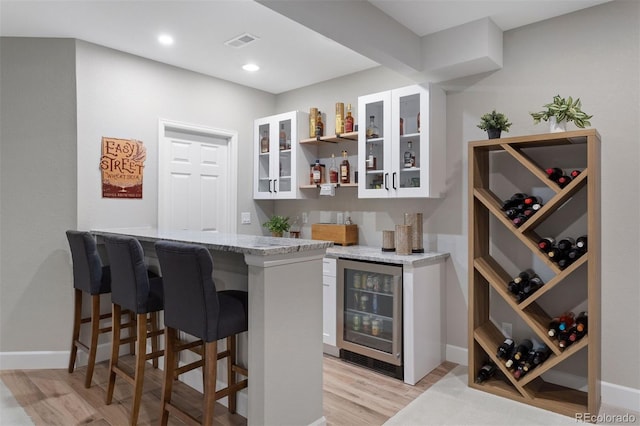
(232, 161)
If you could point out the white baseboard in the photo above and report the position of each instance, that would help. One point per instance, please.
(615, 395)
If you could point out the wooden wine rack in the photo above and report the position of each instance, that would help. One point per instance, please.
(486, 275)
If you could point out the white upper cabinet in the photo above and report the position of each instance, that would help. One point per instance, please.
(401, 143)
(278, 161)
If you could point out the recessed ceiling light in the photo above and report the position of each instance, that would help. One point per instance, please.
(250, 67)
(165, 39)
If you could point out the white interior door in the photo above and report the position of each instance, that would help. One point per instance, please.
(197, 185)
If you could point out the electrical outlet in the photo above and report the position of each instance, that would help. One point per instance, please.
(507, 329)
(305, 218)
(245, 218)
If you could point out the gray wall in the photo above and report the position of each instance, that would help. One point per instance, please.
(593, 54)
(38, 192)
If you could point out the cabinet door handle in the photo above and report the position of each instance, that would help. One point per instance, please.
(274, 185)
(394, 180)
(270, 180)
(386, 181)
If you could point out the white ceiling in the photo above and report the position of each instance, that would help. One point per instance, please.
(290, 55)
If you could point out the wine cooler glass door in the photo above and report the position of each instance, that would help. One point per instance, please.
(370, 310)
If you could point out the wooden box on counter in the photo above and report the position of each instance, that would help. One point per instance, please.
(344, 235)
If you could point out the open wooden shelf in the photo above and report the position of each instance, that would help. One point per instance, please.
(342, 137)
(487, 275)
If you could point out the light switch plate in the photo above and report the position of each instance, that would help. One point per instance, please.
(245, 218)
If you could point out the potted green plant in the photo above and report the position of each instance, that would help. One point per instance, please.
(494, 123)
(277, 225)
(560, 111)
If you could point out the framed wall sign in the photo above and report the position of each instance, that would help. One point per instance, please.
(122, 164)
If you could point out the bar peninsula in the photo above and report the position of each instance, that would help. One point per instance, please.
(284, 279)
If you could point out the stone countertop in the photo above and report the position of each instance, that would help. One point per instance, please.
(375, 254)
(235, 243)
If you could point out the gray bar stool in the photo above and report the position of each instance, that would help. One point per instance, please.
(193, 306)
(91, 277)
(140, 291)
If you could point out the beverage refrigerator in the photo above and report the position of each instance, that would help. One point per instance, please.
(369, 323)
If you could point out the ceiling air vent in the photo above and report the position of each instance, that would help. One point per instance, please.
(241, 40)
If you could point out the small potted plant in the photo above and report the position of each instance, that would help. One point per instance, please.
(560, 111)
(494, 123)
(277, 225)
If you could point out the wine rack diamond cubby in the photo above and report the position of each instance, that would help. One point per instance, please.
(491, 268)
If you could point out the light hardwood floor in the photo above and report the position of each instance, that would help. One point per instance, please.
(352, 396)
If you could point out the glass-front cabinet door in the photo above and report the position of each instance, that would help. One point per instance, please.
(401, 154)
(374, 145)
(275, 167)
(370, 310)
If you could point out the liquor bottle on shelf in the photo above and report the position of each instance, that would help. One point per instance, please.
(313, 116)
(505, 349)
(487, 371)
(371, 159)
(282, 138)
(409, 156)
(574, 174)
(581, 242)
(317, 173)
(264, 142)
(333, 170)
(372, 129)
(339, 118)
(345, 169)
(348, 121)
(554, 173)
(563, 181)
(319, 125)
(401, 126)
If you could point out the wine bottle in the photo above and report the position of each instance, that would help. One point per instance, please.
(566, 321)
(546, 244)
(487, 371)
(319, 125)
(563, 339)
(575, 335)
(554, 327)
(556, 254)
(345, 169)
(523, 348)
(574, 254)
(519, 220)
(530, 200)
(512, 213)
(574, 174)
(529, 288)
(564, 262)
(566, 244)
(348, 120)
(563, 181)
(541, 355)
(582, 321)
(505, 349)
(581, 242)
(554, 173)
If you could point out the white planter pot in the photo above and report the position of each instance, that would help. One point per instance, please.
(557, 126)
